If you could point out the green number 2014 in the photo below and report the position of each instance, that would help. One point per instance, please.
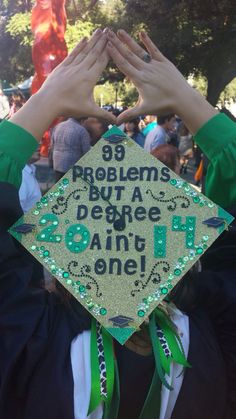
(50, 221)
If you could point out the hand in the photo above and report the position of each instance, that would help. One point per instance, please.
(68, 90)
(162, 88)
(73, 81)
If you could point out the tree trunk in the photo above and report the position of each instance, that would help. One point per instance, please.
(218, 78)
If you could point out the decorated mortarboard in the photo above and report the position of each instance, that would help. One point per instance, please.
(119, 231)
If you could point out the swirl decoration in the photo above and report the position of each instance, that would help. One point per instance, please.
(173, 203)
(154, 277)
(62, 203)
(84, 274)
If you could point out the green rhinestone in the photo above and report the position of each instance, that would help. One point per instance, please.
(33, 247)
(54, 271)
(77, 282)
(90, 305)
(150, 299)
(43, 221)
(205, 246)
(205, 238)
(170, 286)
(141, 313)
(44, 199)
(81, 288)
(42, 248)
(38, 205)
(53, 266)
(61, 191)
(69, 281)
(67, 221)
(36, 212)
(199, 251)
(170, 277)
(145, 301)
(46, 253)
(177, 272)
(103, 311)
(201, 204)
(65, 274)
(164, 290)
(211, 205)
(173, 181)
(196, 199)
(180, 260)
(65, 181)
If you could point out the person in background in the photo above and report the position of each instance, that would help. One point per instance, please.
(69, 142)
(168, 155)
(29, 192)
(96, 128)
(150, 122)
(133, 131)
(4, 105)
(185, 147)
(159, 135)
(17, 101)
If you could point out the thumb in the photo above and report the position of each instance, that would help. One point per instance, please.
(129, 114)
(105, 115)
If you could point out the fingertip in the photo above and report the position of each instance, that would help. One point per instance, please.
(121, 32)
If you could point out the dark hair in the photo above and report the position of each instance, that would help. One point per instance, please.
(134, 121)
(162, 118)
(167, 154)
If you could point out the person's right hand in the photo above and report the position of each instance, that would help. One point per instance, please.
(162, 88)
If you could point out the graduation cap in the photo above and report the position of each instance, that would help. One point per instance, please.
(114, 135)
(214, 222)
(119, 231)
(121, 321)
(24, 228)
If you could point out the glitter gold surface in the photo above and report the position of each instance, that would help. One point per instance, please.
(124, 272)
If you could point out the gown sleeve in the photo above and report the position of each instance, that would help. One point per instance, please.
(16, 147)
(217, 139)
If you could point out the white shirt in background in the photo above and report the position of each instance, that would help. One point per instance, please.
(29, 192)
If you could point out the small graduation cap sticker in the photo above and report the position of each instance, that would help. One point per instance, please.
(119, 231)
(24, 228)
(121, 321)
(214, 222)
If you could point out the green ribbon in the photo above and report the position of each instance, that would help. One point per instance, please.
(95, 396)
(151, 408)
(163, 362)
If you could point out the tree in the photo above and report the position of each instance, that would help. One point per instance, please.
(16, 37)
(199, 36)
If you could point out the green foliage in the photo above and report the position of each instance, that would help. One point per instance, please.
(77, 31)
(19, 27)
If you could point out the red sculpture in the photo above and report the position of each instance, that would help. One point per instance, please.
(48, 24)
